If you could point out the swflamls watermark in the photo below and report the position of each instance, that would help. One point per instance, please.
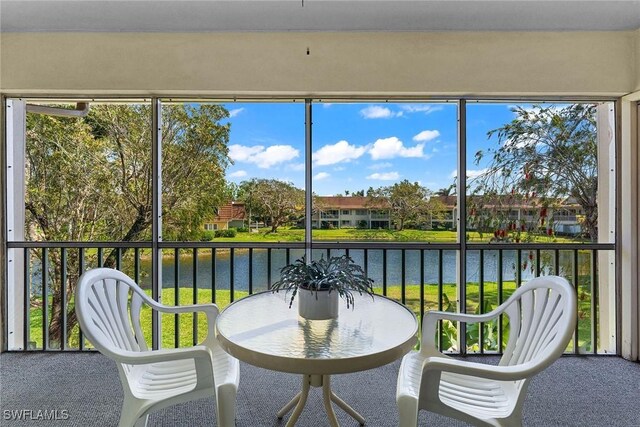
(35, 414)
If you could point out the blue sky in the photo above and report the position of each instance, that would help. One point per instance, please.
(357, 146)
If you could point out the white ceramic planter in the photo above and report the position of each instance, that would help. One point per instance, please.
(319, 305)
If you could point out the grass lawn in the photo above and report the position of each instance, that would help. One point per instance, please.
(346, 234)
(412, 300)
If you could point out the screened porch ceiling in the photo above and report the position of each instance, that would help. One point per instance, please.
(318, 15)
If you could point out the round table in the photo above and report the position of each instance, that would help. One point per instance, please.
(262, 330)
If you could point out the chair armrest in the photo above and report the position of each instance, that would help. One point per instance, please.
(211, 310)
(430, 321)
(156, 356)
(207, 308)
(500, 373)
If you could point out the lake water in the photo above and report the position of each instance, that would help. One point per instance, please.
(375, 270)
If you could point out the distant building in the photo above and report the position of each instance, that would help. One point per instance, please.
(231, 215)
(358, 212)
(349, 212)
(565, 214)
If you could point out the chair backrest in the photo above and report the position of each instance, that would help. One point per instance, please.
(108, 304)
(542, 320)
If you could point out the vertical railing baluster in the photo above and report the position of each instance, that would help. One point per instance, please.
(556, 262)
(119, 259)
(176, 297)
(481, 298)
(519, 269)
(440, 295)
(27, 298)
(45, 298)
(421, 284)
(250, 271)
(538, 263)
(403, 276)
(136, 265)
(63, 296)
(288, 257)
(232, 255)
(195, 295)
(576, 284)
(384, 272)
(100, 255)
(81, 270)
(213, 275)
(594, 302)
(500, 300)
(366, 262)
(269, 268)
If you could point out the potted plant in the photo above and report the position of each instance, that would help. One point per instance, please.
(320, 283)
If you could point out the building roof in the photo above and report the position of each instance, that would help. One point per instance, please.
(343, 202)
(231, 211)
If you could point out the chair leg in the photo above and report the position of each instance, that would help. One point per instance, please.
(226, 405)
(408, 420)
(130, 415)
(407, 411)
(131, 419)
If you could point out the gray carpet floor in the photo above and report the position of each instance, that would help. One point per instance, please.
(574, 391)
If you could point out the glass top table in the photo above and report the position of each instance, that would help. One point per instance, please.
(262, 330)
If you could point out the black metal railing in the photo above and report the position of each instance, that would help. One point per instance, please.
(421, 275)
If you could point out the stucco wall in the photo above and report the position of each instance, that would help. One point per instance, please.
(467, 63)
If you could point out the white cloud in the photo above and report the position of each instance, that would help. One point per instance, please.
(339, 152)
(321, 175)
(388, 148)
(274, 155)
(234, 113)
(426, 135)
(238, 174)
(339, 168)
(241, 153)
(378, 112)
(263, 158)
(421, 108)
(327, 105)
(377, 166)
(296, 166)
(388, 176)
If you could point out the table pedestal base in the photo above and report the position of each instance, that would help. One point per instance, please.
(328, 396)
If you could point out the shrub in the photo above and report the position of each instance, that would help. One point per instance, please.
(207, 236)
(226, 233)
(242, 230)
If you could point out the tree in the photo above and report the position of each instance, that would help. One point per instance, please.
(276, 200)
(407, 202)
(446, 191)
(90, 179)
(545, 155)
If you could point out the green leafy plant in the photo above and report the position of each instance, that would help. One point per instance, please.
(231, 232)
(337, 274)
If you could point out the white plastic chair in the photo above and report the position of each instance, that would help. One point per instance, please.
(108, 305)
(542, 319)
